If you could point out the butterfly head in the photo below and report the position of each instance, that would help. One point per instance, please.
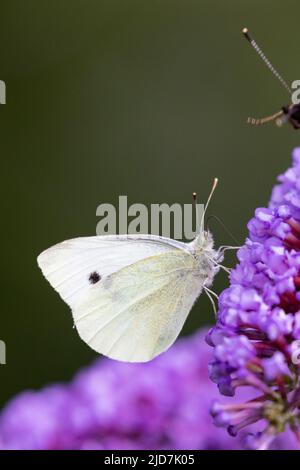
(204, 239)
(203, 245)
(208, 259)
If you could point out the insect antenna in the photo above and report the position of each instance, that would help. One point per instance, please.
(201, 226)
(266, 60)
(212, 216)
(260, 121)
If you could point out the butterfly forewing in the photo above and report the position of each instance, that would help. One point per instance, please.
(73, 266)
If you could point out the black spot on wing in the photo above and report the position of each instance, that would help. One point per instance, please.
(94, 277)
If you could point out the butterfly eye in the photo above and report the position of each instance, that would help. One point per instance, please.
(94, 277)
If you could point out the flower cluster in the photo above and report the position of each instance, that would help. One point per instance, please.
(256, 338)
(163, 404)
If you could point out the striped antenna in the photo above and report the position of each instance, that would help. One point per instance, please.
(259, 122)
(266, 61)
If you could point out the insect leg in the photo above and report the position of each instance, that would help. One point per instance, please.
(208, 292)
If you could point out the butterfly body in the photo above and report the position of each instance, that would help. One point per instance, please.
(130, 295)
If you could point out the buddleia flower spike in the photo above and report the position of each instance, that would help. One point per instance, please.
(256, 339)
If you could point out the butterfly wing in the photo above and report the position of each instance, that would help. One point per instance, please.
(137, 312)
(69, 266)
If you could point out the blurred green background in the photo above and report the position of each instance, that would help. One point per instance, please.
(144, 98)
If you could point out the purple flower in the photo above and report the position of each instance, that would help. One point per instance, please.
(163, 404)
(258, 322)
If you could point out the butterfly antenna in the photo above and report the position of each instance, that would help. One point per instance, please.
(198, 211)
(212, 216)
(266, 60)
(215, 183)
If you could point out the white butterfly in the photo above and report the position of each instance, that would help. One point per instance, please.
(131, 294)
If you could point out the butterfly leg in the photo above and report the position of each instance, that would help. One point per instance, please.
(224, 248)
(210, 295)
(227, 270)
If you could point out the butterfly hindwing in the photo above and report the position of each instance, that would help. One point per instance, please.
(137, 312)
